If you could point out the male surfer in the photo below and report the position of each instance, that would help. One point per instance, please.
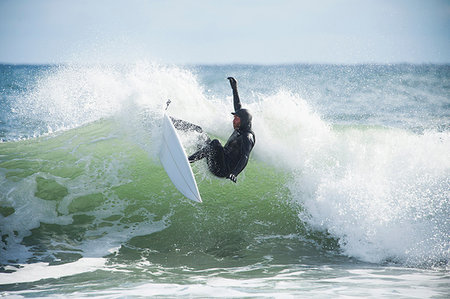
(229, 160)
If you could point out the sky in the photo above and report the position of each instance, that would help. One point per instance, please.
(223, 32)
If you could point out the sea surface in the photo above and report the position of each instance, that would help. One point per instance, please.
(347, 192)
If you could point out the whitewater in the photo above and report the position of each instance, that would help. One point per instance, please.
(346, 192)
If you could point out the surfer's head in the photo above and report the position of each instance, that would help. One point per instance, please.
(242, 120)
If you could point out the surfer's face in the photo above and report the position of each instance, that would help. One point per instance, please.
(236, 122)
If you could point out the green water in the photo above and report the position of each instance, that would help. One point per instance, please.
(94, 186)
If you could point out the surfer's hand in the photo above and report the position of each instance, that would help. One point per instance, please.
(233, 82)
(232, 177)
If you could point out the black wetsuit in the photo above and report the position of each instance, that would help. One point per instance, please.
(232, 158)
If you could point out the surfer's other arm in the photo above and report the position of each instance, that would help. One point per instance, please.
(246, 147)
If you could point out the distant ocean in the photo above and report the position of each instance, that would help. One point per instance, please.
(347, 192)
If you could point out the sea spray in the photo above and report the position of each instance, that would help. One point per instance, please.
(385, 196)
(68, 96)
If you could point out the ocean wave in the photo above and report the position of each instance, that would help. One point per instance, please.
(91, 184)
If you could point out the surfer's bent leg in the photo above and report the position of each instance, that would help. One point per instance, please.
(216, 159)
(215, 156)
(203, 149)
(185, 126)
(198, 155)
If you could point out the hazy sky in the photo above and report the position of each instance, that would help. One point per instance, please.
(230, 31)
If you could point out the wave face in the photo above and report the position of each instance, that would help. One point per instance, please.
(334, 173)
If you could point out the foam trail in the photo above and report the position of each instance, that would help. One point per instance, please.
(39, 271)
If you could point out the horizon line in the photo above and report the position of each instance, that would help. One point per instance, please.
(227, 64)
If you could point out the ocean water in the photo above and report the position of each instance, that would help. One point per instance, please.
(346, 193)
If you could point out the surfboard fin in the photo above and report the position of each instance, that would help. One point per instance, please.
(168, 103)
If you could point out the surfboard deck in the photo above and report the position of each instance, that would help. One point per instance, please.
(175, 162)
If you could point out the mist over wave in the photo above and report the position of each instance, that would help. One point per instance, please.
(382, 192)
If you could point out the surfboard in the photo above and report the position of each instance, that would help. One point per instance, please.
(175, 162)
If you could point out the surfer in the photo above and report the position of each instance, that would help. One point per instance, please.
(229, 160)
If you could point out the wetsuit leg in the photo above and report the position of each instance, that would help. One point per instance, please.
(185, 126)
(216, 159)
(203, 139)
(200, 154)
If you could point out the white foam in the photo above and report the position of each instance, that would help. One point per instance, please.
(383, 193)
(38, 271)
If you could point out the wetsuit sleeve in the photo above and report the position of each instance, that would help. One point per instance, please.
(236, 100)
(246, 147)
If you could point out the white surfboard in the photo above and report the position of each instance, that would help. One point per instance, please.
(175, 162)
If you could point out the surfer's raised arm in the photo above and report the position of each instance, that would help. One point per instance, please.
(236, 100)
